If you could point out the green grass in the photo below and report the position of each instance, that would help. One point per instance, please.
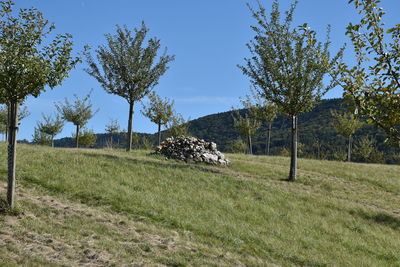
(112, 207)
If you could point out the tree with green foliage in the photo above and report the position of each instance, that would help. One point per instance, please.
(318, 146)
(364, 148)
(111, 129)
(41, 138)
(29, 63)
(266, 112)
(146, 144)
(51, 126)
(374, 82)
(178, 126)
(288, 66)
(346, 124)
(128, 69)
(79, 113)
(247, 124)
(238, 146)
(87, 138)
(159, 111)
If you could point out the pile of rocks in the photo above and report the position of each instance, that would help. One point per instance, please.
(191, 149)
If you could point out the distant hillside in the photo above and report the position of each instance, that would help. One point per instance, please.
(314, 125)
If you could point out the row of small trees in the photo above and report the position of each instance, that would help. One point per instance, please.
(80, 111)
(30, 63)
(289, 65)
(263, 111)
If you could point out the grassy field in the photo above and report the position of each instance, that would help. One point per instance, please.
(107, 207)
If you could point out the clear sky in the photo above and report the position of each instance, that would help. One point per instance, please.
(207, 37)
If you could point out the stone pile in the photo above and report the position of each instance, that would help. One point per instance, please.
(191, 149)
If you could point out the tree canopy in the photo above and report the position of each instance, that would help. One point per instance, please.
(159, 111)
(29, 62)
(79, 112)
(374, 82)
(288, 65)
(126, 68)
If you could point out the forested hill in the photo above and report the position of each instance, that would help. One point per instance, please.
(314, 125)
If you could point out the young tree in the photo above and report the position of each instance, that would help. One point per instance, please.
(41, 138)
(178, 126)
(346, 124)
(238, 146)
(111, 129)
(127, 69)
(288, 67)
(266, 111)
(146, 144)
(87, 138)
(318, 146)
(247, 124)
(79, 113)
(374, 83)
(159, 111)
(365, 147)
(28, 63)
(51, 126)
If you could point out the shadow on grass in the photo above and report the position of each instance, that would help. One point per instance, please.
(381, 218)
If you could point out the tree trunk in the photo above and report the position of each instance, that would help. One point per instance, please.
(250, 145)
(77, 136)
(8, 121)
(52, 141)
(111, 140)
(349, 150)
(12, 152)
(268, 138)
(159, 133)
(293, 156)
(129, 145)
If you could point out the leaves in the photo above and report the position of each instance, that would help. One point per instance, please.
(78, 112)
(28, 64)
(374, 83)
(346, 124)
(159, 111)
(51, 126)
(288, 65)
(125, 67)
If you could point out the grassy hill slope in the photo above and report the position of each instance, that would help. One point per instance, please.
(103, 207)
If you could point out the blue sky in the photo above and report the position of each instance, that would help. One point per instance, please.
(207, 37)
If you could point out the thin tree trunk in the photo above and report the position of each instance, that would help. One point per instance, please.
(129, 145)
(8, 120)
(250, 145)
(52, 141)
(349, 150)
(12, 152)
(77, 136)
(159, 134)
(268, 138)
(111, 140)
(293, 157)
